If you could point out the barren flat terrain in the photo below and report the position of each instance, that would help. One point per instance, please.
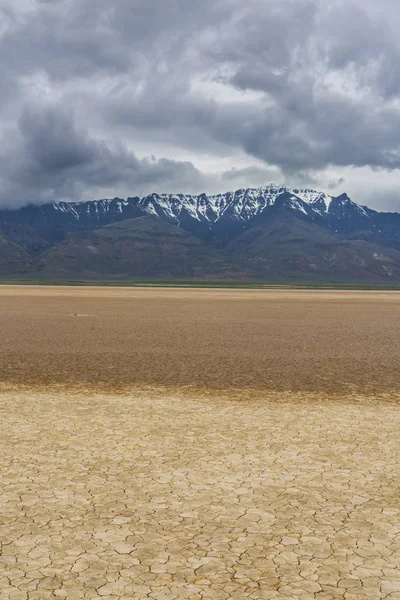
(279, 340)
(170, 444)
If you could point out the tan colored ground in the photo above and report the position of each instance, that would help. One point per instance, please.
(157, 485)
(279, 340)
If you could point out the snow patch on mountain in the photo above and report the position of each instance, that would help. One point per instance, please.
(244, 204)
(241, 205)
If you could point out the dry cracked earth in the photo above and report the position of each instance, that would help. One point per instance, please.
(188, 444)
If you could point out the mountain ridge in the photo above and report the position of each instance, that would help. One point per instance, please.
(246, 203)
(242, 204)
(345, 231)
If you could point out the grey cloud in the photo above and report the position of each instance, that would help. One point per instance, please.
(252, 176)
(388, 197)
(70, 38)
(302, 86)
(309, 121)
(49, 158)
(332, 184)
(302, 120)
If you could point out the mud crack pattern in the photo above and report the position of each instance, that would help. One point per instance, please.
(167, 496)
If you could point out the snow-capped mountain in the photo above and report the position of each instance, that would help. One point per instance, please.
(243, 205)
(265, 233)
(215, 218)
(222, 216)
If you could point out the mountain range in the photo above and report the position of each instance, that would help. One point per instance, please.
(271, 233)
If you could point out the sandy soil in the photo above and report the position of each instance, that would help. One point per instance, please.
(279, 340)
(245, 446)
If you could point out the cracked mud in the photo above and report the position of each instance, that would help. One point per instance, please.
(167, 493)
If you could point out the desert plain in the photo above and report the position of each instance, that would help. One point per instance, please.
(199, 444)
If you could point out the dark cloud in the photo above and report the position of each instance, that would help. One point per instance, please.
(303, 88)
(334, 183)
(48, 158)
(389, 198)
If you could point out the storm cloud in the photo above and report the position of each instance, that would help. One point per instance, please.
(134, 96)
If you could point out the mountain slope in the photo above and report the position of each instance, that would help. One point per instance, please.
(144, 247)
(60, 218)
(24, 236)
(285, 245)
(13, 258)
(262, 233)
(214, 218)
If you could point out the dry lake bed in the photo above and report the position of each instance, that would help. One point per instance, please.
(191, 444)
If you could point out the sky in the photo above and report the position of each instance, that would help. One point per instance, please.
(125, 98)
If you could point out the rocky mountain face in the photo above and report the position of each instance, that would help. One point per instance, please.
(143, 247)
(266, 232)
(57, 219)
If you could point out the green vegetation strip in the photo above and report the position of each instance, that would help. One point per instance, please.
(206, 284)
